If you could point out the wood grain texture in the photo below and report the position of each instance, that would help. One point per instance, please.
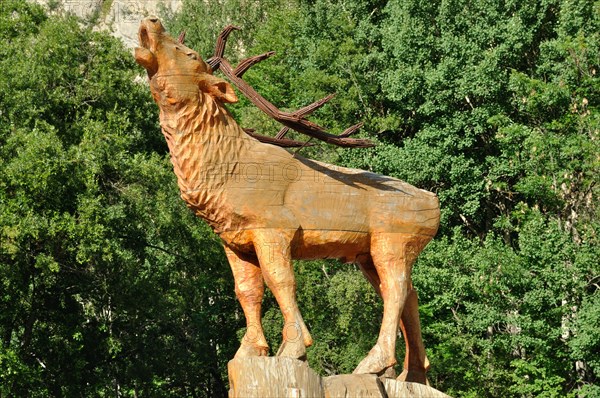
(264, 377)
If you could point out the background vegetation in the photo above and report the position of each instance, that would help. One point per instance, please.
(110, 287)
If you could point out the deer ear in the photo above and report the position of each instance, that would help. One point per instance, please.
(219, 89)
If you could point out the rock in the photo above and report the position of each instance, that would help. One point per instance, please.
(263, 377)
(123, 18)
(120, 17)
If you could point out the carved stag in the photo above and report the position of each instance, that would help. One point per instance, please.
(270, 206)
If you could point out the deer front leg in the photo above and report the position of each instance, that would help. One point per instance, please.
(249, 289)
(274, 254)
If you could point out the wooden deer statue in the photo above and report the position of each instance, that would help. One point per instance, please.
(270, 206)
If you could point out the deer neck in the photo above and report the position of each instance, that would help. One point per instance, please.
(206, 145)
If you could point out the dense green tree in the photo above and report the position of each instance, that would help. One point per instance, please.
(202, 22)
(500, 321)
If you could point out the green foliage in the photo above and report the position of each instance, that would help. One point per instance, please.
(19, 18)
(343, 311)
(505, 314)
(204, 21)
(587, 338)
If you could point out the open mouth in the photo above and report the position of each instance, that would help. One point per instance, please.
(144, 38)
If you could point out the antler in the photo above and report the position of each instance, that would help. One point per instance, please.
(283, 142)
(291, 120)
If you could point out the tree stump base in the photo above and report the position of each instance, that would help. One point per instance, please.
(264, 377)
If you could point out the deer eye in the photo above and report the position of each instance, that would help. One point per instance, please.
(192, 56)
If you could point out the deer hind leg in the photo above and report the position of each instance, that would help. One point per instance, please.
(415, 361)
(249, 289)
(392, 258)
(274, 254)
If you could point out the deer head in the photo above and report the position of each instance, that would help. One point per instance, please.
(180, 78)
(177, 74)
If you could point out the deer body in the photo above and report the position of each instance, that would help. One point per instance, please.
(246, 184)
(269, 207)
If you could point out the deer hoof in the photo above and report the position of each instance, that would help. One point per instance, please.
(389, 373)
(250, 350)
(292, 349)
(375, 363)
(414, 376)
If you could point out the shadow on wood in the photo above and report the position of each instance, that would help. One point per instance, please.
(263, 377)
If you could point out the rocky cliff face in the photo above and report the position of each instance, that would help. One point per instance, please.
(121, 17)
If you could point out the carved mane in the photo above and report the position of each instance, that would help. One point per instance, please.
(205, 145)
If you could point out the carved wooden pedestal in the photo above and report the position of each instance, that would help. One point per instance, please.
(265, 377)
